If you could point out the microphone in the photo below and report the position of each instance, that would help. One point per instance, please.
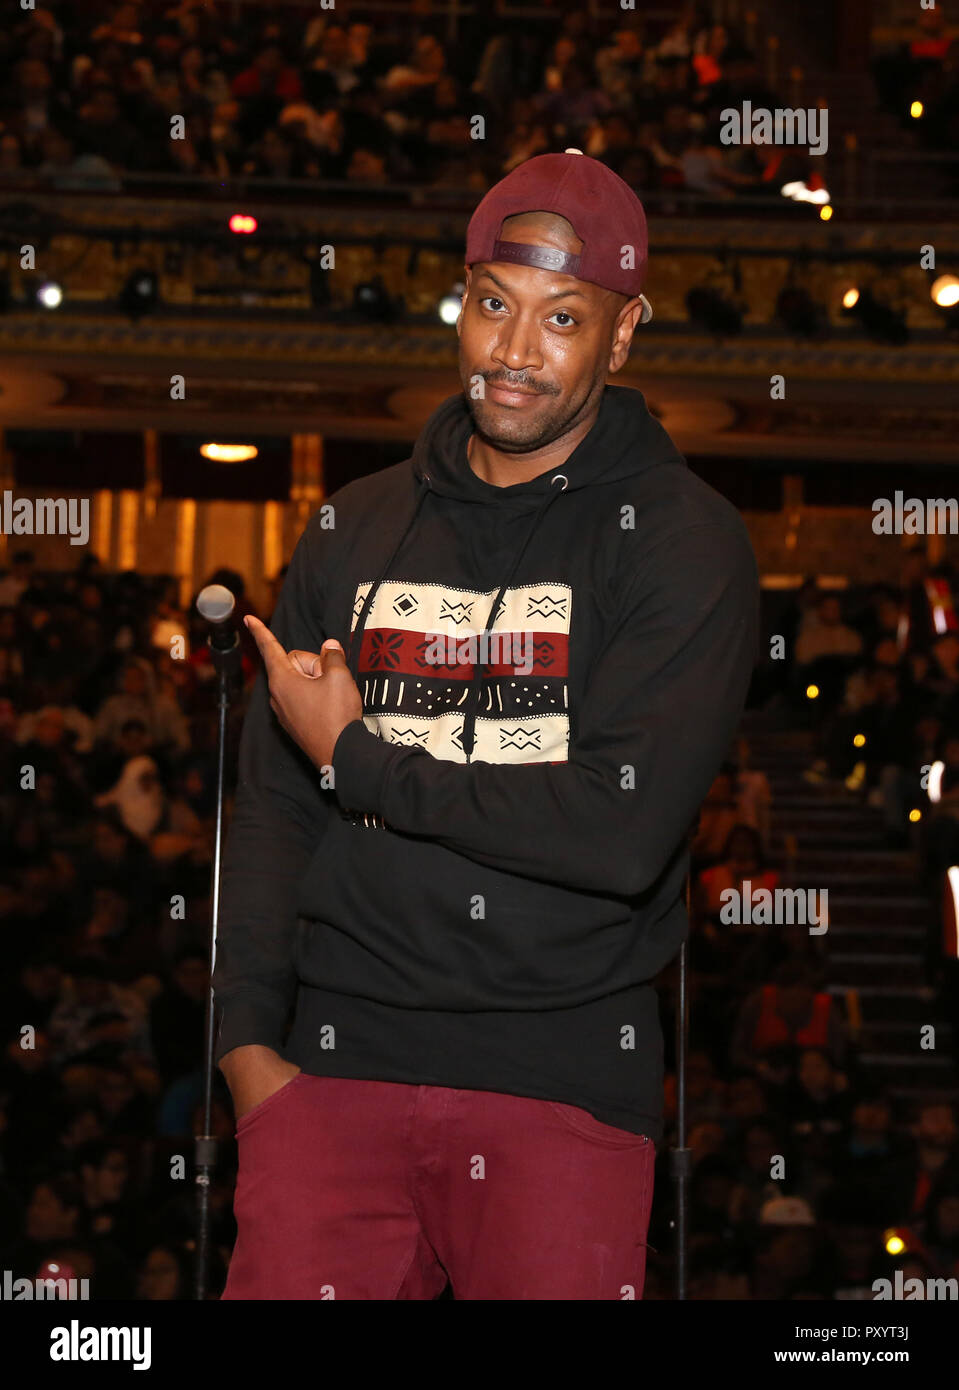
(216, 604)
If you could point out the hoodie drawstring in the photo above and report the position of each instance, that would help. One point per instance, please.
(356, 636)
(469, 727)
(476, 684)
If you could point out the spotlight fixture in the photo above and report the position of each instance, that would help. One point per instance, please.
(139, 294)
(797, 311)
(450, 305)
(880, 321)
(50, 294)
(710, 309)
(243, 224)
(944, 291)
(372, 302)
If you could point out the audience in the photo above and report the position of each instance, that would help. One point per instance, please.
(95, 95)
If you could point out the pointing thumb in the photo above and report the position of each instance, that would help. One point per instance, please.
(333, 655)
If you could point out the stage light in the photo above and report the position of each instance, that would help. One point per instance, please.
(709, 309)
(450, 305)
(916, 109)
(915, 814)
(797, 311)
(139, 294)
(944, 291)
(825, 214)
(371, 301)
(851, 298)
(50, 294)
(952, 878)
(895, 1244)
(880, 321)
(935, 780)
(812, 692)
(801, 192)
(229, 453)
(859, 740)
(242, 224)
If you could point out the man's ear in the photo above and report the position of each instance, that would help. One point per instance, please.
(624, 327)
(459, 319)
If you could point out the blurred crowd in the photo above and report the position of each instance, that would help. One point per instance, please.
(924, 67)
(107, 728)
(873, 676)
(94, 91)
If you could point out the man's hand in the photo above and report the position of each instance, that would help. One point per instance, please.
(253, 1073)
(312, 694)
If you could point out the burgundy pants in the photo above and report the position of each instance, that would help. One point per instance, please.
(377, 1190)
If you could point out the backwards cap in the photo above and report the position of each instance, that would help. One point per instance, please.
(603, 211)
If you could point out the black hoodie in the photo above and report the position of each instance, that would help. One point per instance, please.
(485, 896)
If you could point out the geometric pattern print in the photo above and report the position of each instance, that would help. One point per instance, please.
(419, 651)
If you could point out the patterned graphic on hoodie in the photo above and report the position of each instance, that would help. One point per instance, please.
(423, 657)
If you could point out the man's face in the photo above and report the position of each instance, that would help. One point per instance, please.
(542, 342)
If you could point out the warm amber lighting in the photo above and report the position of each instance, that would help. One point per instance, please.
(851, 298)
(859, 740)
(229, 453)
(895, 1245)
(812, 691)
(916, 110)
(915, 814)
(825, 212)
(945, 291)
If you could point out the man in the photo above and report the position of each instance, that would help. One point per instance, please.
(459, 845)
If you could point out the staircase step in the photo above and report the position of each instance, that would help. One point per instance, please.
(915, 1096)
(921, 1057)
(860, 975)
(880, 913)
(857, 936)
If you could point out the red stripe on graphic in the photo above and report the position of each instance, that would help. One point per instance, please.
(386, 651)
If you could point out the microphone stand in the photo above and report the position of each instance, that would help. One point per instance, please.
(226, 655)
(680, 1157)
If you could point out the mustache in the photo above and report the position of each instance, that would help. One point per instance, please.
(511, 384)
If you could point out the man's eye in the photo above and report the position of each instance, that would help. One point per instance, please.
(491, 299)
(563, 314)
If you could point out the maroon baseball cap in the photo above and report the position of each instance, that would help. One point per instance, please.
(603, 211)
